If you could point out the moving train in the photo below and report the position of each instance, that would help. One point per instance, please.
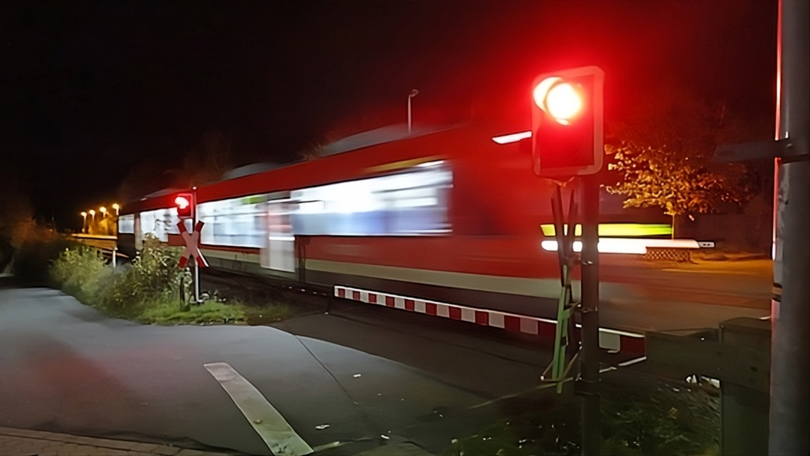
(436, 216)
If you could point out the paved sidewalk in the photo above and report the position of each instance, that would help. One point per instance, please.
(23, 442)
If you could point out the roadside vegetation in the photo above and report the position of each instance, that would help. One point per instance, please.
(642, 416)
(28, 249)
(148, 290)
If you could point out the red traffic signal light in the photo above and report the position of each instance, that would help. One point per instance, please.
(185, 205)
(567, 122)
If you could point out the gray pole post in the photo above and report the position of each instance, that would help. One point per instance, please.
(589, 377)
(789, 418)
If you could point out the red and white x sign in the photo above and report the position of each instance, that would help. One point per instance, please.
(192, 245)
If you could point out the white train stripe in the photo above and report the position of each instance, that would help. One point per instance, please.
(544, 288)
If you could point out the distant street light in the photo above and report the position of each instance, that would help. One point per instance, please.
(84, 221)
(414, 93)
(103, 211)
(93, 215)
(116, 207)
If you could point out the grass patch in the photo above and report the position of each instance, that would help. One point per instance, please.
(209, 312)
(639, 417)
(550, 430)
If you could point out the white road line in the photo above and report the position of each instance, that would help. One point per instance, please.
(280, 437)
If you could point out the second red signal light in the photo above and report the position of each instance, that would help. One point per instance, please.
(185, 205)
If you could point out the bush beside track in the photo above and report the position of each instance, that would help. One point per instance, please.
(148, 289)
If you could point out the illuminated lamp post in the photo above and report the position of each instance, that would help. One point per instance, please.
(117, 207)
(92, 220)
(103, 221)
(84, 221)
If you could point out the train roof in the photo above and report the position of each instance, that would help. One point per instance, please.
(379, 136)
(238, 181)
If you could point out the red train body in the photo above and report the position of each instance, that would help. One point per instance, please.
(475, 240)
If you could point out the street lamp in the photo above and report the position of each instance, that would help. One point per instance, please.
(103, 211)
(116, 207)
(84, 221)
(414, 93)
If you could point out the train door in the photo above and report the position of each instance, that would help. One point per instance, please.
(138, 232)
(278, 252)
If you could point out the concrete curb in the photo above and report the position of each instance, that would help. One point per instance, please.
(24, 442)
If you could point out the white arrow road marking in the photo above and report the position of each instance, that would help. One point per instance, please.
(279, 436)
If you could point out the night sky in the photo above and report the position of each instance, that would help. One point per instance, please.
(89, 90)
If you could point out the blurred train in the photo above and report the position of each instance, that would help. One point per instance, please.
(451, 215)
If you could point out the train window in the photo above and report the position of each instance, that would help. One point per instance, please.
(409, 203)
(160, 223)
(126, 224)
(236, 222)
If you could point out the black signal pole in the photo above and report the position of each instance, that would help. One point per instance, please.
(588, 382)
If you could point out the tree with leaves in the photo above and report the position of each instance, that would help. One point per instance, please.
(662, 157)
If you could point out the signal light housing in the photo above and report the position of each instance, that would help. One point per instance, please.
(567, 122)
(185, 205)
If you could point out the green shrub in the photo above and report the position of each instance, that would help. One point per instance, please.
(148, 289)
(152, 277)
(77, 271)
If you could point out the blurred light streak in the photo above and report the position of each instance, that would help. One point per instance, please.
(628, 246)
(514, 137)
(618, 229)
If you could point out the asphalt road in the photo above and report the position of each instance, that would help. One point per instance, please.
(68, 369)
(641, 296)
(364, 371)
